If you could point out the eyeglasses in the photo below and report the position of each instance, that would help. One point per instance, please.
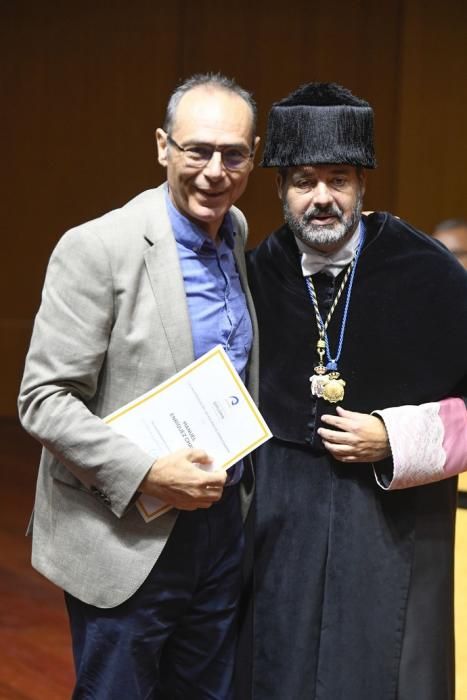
(199, 155)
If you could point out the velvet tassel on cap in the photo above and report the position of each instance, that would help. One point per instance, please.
(319, 123)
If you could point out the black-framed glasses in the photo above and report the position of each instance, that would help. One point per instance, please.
(199, 155)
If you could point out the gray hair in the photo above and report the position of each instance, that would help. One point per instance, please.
(215, 80)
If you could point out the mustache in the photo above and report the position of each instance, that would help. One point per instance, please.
(331, 210)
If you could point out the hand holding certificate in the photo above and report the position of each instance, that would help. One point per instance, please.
(205, 409)
(181, 479)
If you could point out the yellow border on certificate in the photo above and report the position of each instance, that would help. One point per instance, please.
(154, 513)
(219, 351)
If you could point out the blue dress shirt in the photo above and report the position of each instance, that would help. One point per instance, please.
(216, 302)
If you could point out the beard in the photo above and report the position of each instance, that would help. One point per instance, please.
(319, 236)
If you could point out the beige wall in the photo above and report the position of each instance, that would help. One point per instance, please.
(85, 84)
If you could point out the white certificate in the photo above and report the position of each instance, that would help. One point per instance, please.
(206, 406)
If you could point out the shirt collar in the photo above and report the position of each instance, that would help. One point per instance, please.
(192, 236)
(313, 261)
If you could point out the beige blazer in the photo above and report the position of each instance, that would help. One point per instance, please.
(113, 323)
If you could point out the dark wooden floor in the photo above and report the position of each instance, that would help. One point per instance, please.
(35, 657)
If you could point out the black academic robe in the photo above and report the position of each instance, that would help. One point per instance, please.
(353, 584)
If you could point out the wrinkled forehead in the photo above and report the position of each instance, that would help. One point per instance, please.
(318, 170)
(323, 168)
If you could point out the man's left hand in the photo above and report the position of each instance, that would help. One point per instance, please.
(359, 437)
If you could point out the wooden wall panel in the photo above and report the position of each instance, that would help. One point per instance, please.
(83, 91)
(83, 87)
(432, 148)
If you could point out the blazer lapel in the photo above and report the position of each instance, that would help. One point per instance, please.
(166, 279)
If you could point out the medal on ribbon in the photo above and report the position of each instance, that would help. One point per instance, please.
(326, 383)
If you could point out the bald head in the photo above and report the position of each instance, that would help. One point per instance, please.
(209, 81)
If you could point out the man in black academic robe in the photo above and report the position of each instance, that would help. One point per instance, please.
(353, 573)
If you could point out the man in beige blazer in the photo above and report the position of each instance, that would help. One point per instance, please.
(130, 299)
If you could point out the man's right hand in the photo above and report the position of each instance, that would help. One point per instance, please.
(177, 480)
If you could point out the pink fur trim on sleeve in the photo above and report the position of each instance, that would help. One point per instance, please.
(428, 442)
(416, 438)
(453, 414)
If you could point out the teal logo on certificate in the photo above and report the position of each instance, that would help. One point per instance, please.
(194, 409)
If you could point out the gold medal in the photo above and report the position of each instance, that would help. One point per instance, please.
(333, 389)
(327, 386)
